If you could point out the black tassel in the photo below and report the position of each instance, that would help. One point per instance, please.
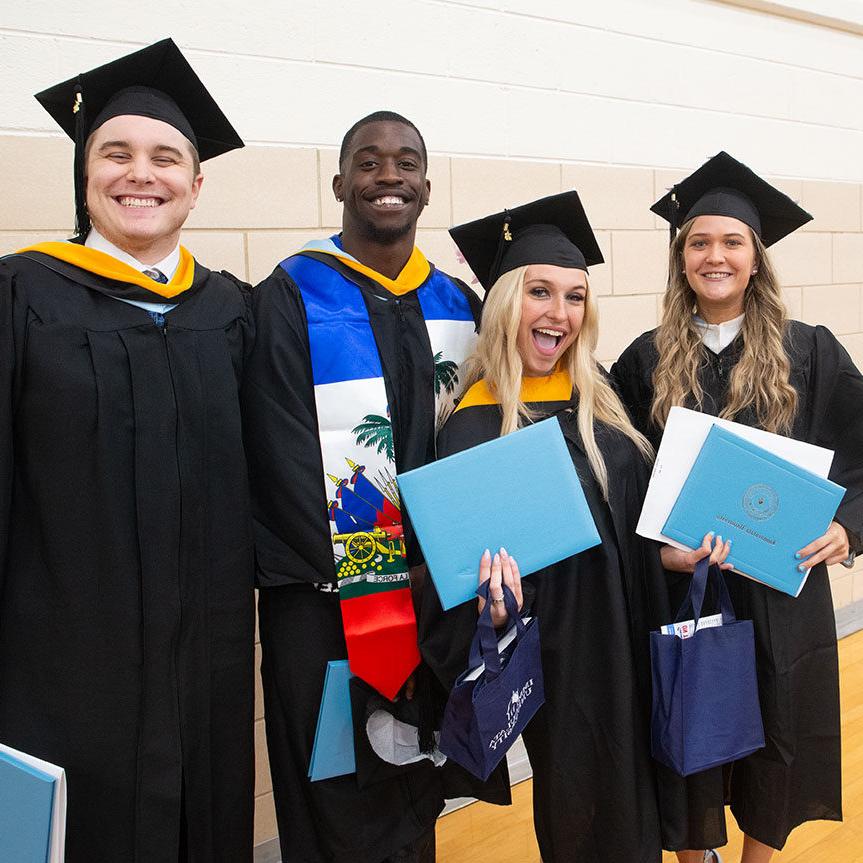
(82, 217)
(429, 714)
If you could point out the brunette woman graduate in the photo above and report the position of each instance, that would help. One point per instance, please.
(725, 347)
(594, 790)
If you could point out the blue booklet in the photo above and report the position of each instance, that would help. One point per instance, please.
(520, 491)
(26, 803)
(768, 506)
(333, 749)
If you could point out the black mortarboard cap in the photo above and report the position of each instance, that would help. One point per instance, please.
(722, 186)
(155, 82)
(552, 230)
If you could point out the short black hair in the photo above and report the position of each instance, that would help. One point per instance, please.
(380, 117)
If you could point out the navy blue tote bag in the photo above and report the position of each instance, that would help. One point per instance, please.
(705, 694)
(487, 711)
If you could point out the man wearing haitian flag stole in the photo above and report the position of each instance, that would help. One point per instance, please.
(126, 572)
(357, 357)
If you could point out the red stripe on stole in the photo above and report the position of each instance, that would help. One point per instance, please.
(381, 634)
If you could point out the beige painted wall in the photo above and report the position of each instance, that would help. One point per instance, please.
(260, 204)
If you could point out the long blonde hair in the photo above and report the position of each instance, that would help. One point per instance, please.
(760, 378)
(496, 359)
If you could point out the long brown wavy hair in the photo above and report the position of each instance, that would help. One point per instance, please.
(760, 378)
(496, 359)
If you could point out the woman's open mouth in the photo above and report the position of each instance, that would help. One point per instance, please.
(547, 340)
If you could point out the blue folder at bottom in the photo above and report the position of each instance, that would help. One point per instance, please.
(768, 506)
(520, 491)
(26, 802)
(333, 749)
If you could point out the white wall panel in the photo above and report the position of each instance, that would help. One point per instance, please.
(660, 84)
(265, 28)
(704, 24)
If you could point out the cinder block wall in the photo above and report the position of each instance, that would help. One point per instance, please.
(260, 204)
(529, 97)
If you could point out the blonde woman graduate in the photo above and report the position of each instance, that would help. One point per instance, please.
(593, 780)
(726, 347)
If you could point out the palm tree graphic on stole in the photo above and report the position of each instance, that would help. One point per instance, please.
(377, 431)
(367, 511)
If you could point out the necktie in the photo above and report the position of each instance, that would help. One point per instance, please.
(162, 279)
(156, 276)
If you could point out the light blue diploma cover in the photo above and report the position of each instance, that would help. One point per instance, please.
(26, 801)
(520, 491)
(769, 507)
(333, 749)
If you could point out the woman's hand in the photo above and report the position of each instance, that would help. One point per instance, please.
(500, 570)
(677, 560)
(833, 547)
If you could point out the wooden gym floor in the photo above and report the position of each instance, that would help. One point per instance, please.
(481, 833)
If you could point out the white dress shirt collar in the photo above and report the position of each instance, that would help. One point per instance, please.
(717, 337)
(168, 265)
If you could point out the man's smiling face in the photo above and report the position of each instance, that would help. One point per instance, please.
(383, 182)
(141, 184)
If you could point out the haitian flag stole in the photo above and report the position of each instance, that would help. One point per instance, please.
(359, 455)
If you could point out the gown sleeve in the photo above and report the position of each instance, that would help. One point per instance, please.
(631, 376)
(445, 636)
(7, 372)
(247, 321)
(281, 438)
(837, 406)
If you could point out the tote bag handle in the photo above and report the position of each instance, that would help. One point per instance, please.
(697, 588)
(483, 648)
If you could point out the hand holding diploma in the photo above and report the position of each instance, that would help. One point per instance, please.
(833, 547)
(678, 560)
(765, 503)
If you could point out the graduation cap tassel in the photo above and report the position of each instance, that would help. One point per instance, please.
(429, 717)
(672, 219)
(82, 217)
(505, 237)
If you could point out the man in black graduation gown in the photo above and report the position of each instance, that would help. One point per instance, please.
(126, 620)
(359, 336)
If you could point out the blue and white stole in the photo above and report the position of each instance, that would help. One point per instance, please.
(354, 423)
(350, 395)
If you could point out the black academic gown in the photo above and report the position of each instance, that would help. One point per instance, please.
(796, 777)
(357, 818)
(127, 616)
(594, 788)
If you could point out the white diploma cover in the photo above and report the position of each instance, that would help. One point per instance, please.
(685, 433)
